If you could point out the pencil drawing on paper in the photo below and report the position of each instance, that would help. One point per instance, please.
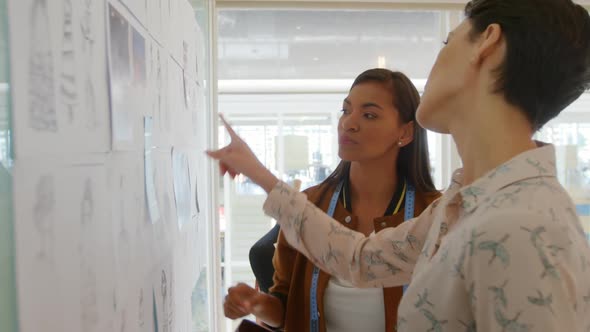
(44, 216)
(68, 88)
(88, 56)
(141, 317)
(87, 204)
(88, 293)
(164, 290)
(42, 112)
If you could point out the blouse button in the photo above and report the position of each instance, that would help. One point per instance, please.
(348, 219)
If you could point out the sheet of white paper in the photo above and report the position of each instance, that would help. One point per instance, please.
(125, 179)
(199, 301)
(176, 109)
(58, 83)
(163, 288)
(200, 52)
(158, 95)
(174, 42)
(155, 11)
(64, 251)
(88, 265)
(36, 195)
(128, 78)
(165, 187)
(182, 186)
(150, 188)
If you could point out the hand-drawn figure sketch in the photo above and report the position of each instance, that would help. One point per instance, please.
(155, 310)
(87, 205)
(86, 27)
(165, 308)
(182, 186)
(68, 89)
(123, 233)
(88, 293)
(141, 314)
(42, 112)
(92, 118)
(44, 216)
(88, 40)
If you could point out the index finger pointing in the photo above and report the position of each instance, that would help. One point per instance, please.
(228, 127)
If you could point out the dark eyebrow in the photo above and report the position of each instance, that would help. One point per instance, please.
(365, 105)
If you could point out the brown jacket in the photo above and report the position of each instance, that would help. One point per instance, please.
(293, 272)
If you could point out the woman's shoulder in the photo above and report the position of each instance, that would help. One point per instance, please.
(427, 197)
(317, 193)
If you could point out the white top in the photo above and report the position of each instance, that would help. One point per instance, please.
(506, 253)
(351, 309)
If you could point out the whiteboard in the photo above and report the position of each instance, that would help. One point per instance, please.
(111, 189)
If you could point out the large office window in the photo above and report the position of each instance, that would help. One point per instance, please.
(283, 74)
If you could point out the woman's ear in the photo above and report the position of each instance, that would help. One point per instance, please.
(407, 134)
(489, 45)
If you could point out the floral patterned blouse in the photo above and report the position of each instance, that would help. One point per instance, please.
(506, 253)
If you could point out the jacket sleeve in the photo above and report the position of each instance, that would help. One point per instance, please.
(385, 259)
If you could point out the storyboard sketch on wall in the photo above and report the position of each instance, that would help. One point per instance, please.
(111, 190)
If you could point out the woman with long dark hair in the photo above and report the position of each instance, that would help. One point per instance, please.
(383, 179)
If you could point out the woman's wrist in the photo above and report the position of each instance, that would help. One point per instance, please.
(266, 180)
(271, 312)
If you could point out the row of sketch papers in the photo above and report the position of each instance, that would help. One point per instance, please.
(109, 117)
(64, 92)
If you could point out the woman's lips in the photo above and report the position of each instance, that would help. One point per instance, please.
(345, 140)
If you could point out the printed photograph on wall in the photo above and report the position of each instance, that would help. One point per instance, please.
(139, 59)
(128, 80)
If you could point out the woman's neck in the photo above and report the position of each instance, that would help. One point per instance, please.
(496, 133)
(373, 180)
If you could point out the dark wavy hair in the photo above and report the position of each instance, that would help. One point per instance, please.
(547, 62)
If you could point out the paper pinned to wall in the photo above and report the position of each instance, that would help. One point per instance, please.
(89, 279)
(176, 24)
(150, 188)
(155, 12)
(128, 78)
(165, 186)
(84, 225)
(57, 76)
(125, 180)
(158, 95)
(163, 289)
(182, 186)
(66, 245)
(36, 200)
